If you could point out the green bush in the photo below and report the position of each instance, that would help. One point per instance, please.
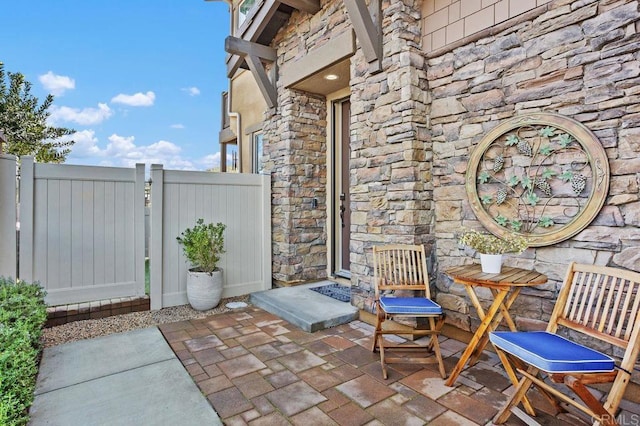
(23, 313)
(203, 245)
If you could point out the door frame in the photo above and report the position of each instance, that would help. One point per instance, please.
(333, 247)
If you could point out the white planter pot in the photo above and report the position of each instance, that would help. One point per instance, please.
(204, 290)
(491, 263)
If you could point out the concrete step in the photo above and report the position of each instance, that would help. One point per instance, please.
(305, 308)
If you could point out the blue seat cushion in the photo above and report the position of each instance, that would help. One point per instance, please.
(410, 306)
(551, 353)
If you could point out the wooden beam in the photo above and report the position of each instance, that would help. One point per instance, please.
(267, 88)
(254, 54)
(237, 46)
(309, 6)
(226, 135)
(251, 33)
(368, 32)
(235, 63)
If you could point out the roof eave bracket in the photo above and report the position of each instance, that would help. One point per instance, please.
(367, 24)
(254, 54)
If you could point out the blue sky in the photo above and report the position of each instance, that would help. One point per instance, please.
(139, 80)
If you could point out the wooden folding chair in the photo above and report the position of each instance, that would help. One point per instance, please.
(399, 271)
(599, 303)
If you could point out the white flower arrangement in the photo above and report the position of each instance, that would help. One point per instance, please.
(491, 244)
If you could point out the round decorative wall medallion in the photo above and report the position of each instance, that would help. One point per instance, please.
(541, 175)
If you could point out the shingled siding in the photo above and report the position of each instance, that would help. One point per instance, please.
(580, 59)
(447, 21)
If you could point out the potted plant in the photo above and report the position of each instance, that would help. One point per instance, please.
(203, 245)
(491, 247)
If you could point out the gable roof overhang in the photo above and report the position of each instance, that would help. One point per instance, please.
(250, 49)
(263, 23)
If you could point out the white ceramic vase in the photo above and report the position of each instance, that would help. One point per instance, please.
(491, 263)
(204, 290)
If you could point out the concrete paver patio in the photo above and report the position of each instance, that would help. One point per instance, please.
(258, 369)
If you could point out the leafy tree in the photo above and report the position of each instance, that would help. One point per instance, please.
(24, 122)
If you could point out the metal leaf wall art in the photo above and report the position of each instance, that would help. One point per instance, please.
(542, 175)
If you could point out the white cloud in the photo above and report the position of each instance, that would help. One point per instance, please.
(84, 117)
(86, 144)
(122, 151)
(177, 126)
(163, 148)
(192, 91)
(57, 84)
(121, 147)
(210, 161)
(137, 100)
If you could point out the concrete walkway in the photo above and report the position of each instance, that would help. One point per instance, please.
(131, 378)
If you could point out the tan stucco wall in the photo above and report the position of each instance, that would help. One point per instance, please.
(247, 101)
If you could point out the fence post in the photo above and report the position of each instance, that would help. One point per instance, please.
(266, 229)
(155, 252)
(8, 245)
(139, 238)
(27, 182)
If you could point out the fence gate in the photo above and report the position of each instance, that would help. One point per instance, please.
(82, 231)
(240, 201)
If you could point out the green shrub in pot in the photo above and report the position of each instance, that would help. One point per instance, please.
(203, 245)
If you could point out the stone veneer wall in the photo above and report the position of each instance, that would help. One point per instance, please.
(390, 160)
(391, 190)
(414, 125)
(580, 59)
(295, 153)
(296, 156)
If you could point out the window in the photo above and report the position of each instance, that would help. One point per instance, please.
(258, 166)
(244, 9)
(229, 157)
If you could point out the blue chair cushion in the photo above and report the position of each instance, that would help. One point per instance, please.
(410, 306)
(551, 353)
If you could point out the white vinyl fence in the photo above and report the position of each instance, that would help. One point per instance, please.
(82, 231)
(241, 201)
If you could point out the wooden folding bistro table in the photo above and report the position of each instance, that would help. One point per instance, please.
(505, 288)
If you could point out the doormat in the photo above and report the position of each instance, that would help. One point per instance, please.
(335, 291)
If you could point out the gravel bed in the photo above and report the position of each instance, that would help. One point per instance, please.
(88, 329)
